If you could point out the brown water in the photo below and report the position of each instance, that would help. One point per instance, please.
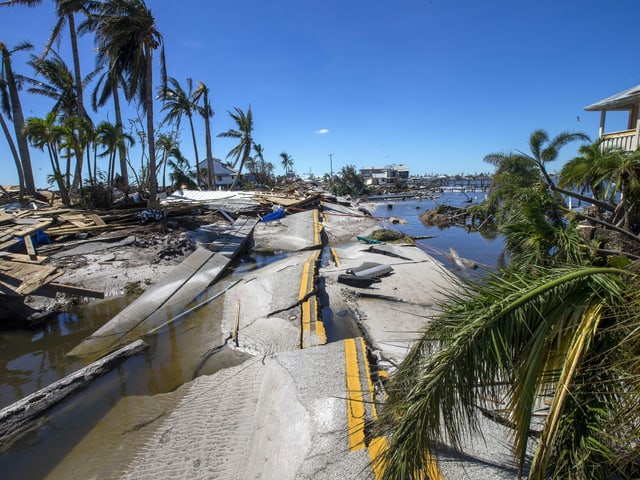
(32, 360)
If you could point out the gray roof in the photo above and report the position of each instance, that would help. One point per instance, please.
(620, 101)
(219, 168)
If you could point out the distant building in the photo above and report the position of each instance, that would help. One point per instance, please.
(629, 101)
(224, 176)
(382, 175)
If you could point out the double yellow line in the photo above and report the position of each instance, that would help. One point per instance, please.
(360, 398)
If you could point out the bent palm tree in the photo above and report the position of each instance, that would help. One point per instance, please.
(242, 151)
(561, 338)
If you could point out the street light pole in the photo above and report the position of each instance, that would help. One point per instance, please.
(331, 165)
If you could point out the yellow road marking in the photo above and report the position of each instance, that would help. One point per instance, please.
(355, 405)
(316, 227)
(377, 447)
(306, 317)
(334, 254)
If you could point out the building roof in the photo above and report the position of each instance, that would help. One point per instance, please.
(620, 101)
(219, 168)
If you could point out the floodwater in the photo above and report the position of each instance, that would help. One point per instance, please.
(485, 248)
(176, 354)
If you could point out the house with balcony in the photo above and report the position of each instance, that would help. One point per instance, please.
(626, 139)
(383, 175)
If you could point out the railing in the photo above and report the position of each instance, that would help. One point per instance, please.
(626, 140)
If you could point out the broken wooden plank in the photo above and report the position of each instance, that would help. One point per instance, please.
(18, 416)
(22, 258)
(24, 278)
(96, 219)
(33, 282)
(8, 238)
(31, 250)
(52, 288)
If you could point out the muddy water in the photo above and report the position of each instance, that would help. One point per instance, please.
(31, 360)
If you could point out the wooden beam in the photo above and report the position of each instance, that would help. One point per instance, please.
(20, 415)
(53, 287)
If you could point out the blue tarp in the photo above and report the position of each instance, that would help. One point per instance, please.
(37, 238)
(275, 215)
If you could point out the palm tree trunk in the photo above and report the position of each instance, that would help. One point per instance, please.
(245, 157)
(210, 171)
(195, 151)
(18, 124)
(14, 154)
(76, 66)
(153, 180)
(122, 151)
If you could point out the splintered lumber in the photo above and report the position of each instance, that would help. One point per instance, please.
(18, 416)
(25, 278)
(51, 288)
(171, 294)
(8, 235)
(21, 257)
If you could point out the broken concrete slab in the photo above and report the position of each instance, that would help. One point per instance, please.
(168, 297)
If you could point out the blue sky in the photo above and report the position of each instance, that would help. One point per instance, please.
(433, 84)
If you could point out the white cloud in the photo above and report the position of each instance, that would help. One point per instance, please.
(322, 131)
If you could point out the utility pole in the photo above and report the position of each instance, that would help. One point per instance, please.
(331, 165)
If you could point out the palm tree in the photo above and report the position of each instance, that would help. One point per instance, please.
(561, 335)
(180, 175)
(287, 162)
(242, 151)
(205, 110)
(45, 133)
(561, 338)
(61, 88)
(65, 10)
(179, 103)
(126, 34)
(9, 87)
(166, 143)
(113, 139)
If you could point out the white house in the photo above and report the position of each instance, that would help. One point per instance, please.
(224, 176)
(626, 101)
(382, 175)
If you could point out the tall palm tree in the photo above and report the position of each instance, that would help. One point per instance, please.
(242, 151)
(11, 106)
(206, 112)
(178, 103)
(65, 11)
(126, 34)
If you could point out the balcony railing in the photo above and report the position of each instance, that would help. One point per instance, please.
(626, 140)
